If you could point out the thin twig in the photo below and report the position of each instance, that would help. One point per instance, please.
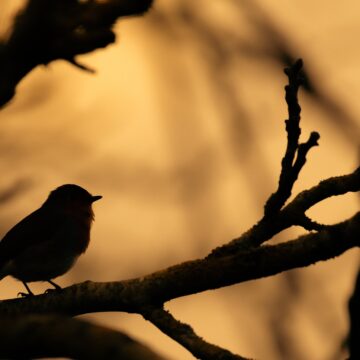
(335, 186)
(295, 154)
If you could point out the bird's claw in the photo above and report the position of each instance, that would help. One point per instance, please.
(51, 291)
(24, 295)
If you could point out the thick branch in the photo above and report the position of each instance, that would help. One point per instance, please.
(35, 336)
(193, 276)
(185, 335)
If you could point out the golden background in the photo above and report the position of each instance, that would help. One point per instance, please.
(182, 132)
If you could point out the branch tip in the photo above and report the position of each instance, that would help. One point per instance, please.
(295, 153)
(81, 66)
(314, 137)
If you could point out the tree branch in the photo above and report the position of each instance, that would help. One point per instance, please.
(291, 167)
(34, 336)
(334, 186)
(292, 214)
(59, 29)
(193, 276)
(185, 335)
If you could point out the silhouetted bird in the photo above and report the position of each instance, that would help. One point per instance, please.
(46, 244)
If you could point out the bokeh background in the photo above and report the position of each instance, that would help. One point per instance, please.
(182, 131)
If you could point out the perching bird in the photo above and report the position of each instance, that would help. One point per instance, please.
(46, 243)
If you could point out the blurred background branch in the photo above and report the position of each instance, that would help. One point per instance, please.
(45, 31)
(39, 336)
(354, 315)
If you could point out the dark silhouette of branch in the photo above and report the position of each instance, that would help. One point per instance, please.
(185, 335)
(274, 219)
(34, 336)
(293, 213)
(334, 186)
(59, 29)
(291, 166)
(195, 276)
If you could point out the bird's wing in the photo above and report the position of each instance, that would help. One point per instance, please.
(37, 227)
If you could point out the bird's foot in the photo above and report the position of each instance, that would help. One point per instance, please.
(25, 295)
(51, 291)
(56, 286)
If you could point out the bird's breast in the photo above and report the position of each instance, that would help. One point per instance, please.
(75, 232)
(81, 236)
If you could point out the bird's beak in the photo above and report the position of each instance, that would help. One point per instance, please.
(96, 198)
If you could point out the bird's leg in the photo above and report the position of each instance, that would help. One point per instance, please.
(30, 293)
(56, 286)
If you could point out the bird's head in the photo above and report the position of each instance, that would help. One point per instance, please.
(72, 198)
